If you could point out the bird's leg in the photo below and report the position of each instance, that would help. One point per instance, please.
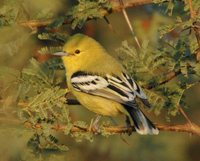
(96, 121)
(94, 126)
(128, 125)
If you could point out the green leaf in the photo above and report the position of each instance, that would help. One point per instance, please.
(59, 38)
(87, 9)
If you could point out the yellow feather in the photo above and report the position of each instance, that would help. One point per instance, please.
(100, 105)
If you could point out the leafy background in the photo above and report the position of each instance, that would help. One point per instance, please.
(33, 89)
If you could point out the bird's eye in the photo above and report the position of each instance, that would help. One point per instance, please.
(77, 51)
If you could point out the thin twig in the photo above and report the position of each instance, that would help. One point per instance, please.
(129, 23)
(192, 13)
(196, 28)
(185, 115)
(171, 75)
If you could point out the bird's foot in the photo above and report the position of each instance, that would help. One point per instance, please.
(128, 125)
(94, 125)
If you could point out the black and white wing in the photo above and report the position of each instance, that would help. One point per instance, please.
(120, 89)
(137, 89)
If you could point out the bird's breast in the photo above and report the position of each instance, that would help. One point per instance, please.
(98, 104)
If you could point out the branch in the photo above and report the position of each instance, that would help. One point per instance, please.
(189, 128)
(192, 13)
(184, 115)
(36, 23)
(169, 77)
(129, 23)
(196, 28)
(186, 128)
(116, 7)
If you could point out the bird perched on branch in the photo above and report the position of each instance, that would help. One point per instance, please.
(101, 84)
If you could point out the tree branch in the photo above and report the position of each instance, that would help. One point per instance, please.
(192, 13)
(129, 23)
(190, 128)
(184, 115)
(196, 28)
(171, 75)
(116, 7)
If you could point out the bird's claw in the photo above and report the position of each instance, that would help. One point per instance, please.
(94, 125)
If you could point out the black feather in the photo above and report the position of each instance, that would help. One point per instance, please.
(146, 103)
(79, 73)
(118, 90)
(142, 124)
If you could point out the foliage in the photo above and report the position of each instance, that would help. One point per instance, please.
(165, 70)
(88, 10)
(151, 66)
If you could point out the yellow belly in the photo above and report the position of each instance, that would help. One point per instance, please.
(99, 105)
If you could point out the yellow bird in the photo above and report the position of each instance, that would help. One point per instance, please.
(101, 84)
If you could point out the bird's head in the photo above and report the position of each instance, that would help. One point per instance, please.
(79, 50)
(79, 46)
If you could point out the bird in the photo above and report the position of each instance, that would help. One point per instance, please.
(101, 84)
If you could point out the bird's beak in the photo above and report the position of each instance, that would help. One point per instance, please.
(61, 53)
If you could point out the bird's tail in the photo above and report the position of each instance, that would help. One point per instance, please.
(143, 125)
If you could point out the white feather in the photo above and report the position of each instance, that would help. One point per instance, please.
(83, 78)
(141, 94)
(134, 85)
(120, 86)
(113, 78)
(124, 76)
(84, 82)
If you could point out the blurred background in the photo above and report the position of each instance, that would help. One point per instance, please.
(18, 44)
